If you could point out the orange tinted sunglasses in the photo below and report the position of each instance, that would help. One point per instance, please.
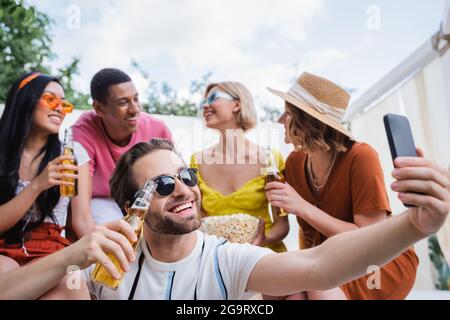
(53, 101)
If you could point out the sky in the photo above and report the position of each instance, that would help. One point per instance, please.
(257, 42)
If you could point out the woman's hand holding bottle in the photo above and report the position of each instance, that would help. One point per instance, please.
(52, 175)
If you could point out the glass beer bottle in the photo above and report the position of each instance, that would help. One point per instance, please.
(273, 174)
(135, 217)
(69, 191)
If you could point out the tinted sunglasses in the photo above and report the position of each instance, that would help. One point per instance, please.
(216, 95)
(165, 185)
(53, 102)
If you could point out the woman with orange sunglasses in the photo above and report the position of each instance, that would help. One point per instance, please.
(32, 212)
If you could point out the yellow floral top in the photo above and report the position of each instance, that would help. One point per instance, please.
(250, 198)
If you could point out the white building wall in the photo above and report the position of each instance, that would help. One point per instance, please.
(425, 100)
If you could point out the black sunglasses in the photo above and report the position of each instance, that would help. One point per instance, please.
(165, 185)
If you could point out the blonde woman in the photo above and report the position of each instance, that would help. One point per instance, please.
(230, 176)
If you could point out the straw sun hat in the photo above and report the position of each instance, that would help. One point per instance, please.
(320, 98)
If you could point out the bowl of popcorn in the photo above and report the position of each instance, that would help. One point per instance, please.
(237, 228)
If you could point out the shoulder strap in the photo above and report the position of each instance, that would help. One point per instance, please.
(218, 272)
(136, 279)
(198, 273)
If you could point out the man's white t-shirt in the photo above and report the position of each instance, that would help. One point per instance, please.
(215, 270)
(105, 210)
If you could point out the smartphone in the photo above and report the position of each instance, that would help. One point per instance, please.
(401, 141)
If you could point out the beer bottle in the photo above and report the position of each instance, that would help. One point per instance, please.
(135, 217)
(273, 174)
(69, 191)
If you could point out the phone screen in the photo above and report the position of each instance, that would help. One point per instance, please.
(401, 141)
(400, 137)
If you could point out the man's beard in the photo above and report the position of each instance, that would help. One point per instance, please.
(164, 224)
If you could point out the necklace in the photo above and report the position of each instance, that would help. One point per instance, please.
(320, 183)
(27, 165)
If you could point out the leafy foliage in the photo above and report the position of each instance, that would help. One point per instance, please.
(66, 74)
(442, 269)
(162, 98)
(24, 42)
(270, 113)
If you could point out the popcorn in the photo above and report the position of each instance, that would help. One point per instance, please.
(239, 228)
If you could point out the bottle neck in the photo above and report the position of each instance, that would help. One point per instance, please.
(142, 201)
(68, 151)
(144, 197)
(68, 146)
(68, 139)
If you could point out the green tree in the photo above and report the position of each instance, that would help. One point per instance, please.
(441, 277)
(66, 74)
(25, 45)
(162, 98)
(24, 42)
(270, 113)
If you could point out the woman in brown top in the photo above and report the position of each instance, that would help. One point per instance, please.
(335, 184)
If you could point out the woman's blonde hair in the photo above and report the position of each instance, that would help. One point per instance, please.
(246, 116)
(309, 134)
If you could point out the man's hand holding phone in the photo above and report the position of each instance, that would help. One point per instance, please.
(426, 186)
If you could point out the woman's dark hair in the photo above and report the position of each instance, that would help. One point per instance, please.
(15, 125)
